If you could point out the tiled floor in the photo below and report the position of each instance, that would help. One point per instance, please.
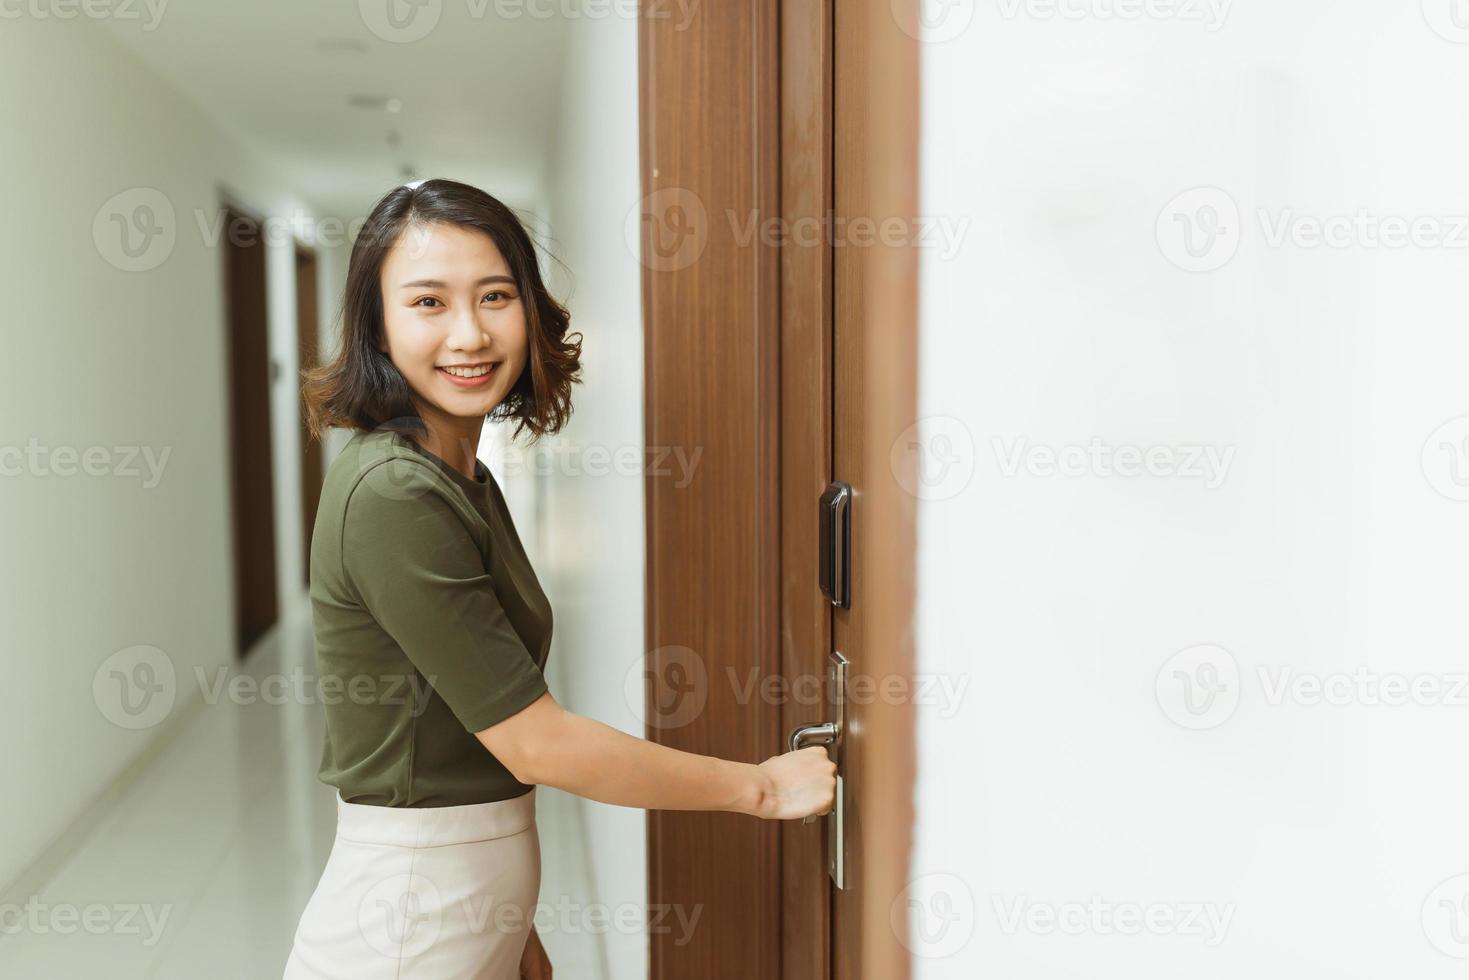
(202, 867)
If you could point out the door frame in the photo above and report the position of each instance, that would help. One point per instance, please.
(251, 457)
(737, 124)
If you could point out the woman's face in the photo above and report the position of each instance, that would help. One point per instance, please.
(451, 309)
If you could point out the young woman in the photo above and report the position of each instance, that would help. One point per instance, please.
(432, 628)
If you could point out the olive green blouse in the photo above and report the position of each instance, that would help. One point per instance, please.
(430, 626)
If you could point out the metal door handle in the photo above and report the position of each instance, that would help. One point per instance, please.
(830, 733)
(821, 733)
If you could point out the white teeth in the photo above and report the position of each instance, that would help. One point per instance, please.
(478, 372)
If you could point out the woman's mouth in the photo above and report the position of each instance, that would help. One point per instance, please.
(469, 375)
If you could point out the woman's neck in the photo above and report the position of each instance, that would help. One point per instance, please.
(457, 445)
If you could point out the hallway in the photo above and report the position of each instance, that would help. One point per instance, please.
(189, 199)
(201, 865)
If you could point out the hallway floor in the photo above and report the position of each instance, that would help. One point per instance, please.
(205, 860)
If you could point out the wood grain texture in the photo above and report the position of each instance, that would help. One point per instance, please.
(875, 166)
(709, 161)
(805, 456)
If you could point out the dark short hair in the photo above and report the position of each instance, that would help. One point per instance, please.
(361, 388)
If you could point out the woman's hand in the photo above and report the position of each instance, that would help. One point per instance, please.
(797, 784)
(534, 963)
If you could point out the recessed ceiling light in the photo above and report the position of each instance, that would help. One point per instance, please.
(379, 102)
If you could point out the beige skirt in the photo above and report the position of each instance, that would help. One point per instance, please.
(423, 893)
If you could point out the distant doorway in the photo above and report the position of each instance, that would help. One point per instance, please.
(311, 465)
(251, 477)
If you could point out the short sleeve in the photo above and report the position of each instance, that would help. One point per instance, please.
(420, 574)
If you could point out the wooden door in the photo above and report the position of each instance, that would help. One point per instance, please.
(312, 469)
(874, 388)
(849, 359)
(251, 481)
(789, 357)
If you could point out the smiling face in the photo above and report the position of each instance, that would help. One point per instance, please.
(454, 322)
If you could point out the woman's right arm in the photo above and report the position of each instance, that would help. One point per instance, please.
(548, 745)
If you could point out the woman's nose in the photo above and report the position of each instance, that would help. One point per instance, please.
(467, 332)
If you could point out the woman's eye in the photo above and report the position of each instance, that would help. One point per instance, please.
(421, 299)
(499, 294)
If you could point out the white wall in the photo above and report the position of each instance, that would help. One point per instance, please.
(586, 536)
(99, 356)
(1088, 766)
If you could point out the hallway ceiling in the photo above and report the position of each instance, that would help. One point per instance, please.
(305, 85)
